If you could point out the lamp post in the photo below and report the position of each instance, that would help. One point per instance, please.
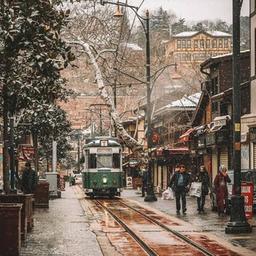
(150, 197)
(238, 222)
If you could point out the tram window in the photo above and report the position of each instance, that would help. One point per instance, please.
(104, 161)
(92, 161)
(116, 160)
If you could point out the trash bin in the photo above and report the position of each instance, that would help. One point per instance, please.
(42, 194)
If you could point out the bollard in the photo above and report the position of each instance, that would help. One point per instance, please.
(10, 223)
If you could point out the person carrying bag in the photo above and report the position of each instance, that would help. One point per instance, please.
(202, 178)
(179, 183)
(195, 189)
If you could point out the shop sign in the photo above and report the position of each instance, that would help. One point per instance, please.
(210, 139)
(128, 182)
(247, 191)
(133, 162)
(221, 137)
(220, 122)
(253, 134)
(201, 142)
(244, 137)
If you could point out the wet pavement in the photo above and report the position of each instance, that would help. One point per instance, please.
(208, 222)
(76, 226)
(61, 230)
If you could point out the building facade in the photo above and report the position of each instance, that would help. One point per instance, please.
(196, 46)
(213, 129)
(248, 122)
(169, 123)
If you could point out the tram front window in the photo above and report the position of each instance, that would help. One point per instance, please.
(92, 161)
(104, 161)
(116, 160)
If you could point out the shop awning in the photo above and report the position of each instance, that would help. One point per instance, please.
(179, 151)
(219, 122)
(185, 137)
(199, 130)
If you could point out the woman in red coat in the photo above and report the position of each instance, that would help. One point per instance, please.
(221, 189)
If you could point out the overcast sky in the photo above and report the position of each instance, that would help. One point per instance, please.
(194, 10)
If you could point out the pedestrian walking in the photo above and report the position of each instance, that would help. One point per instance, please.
(221, 189)
(203, 177)
(179, 183)
(144, 182)
(29, 179)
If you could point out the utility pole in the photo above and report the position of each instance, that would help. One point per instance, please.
(238, 222)
(150, 197)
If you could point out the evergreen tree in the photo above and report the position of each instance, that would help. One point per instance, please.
(180, 26)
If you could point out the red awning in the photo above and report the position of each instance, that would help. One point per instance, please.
(179, 151)
(185, 136)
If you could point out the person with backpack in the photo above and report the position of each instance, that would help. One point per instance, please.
(179, 183)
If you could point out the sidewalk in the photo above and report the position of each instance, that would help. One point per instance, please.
(209, 222)
(61, 230)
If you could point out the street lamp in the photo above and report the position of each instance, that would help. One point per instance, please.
(150, 197)
(238, 222)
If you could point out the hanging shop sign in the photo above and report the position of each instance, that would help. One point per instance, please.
(201, 142)
(210, 139)
(133, 162)
(26, 152)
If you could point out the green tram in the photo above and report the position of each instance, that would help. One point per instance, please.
(102, 174)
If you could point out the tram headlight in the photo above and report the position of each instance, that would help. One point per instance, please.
(104, 180)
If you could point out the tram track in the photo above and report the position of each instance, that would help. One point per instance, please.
(144, 244)
(174, 232)
(145, 247)
(153, 233)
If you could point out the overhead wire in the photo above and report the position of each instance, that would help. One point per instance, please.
(129, 35)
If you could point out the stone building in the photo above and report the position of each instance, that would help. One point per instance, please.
(195, 46)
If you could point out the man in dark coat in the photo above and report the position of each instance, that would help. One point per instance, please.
(221, 189)
(29, 179)
(179, 183)
(202, 177)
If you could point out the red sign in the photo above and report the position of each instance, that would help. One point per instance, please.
(247, 191)
(26, 152)
(155, 137)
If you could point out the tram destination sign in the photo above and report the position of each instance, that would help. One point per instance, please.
(104, 150)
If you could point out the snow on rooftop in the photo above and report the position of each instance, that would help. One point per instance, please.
(186, 34)
(132, 46)
(228, 54)
(185, 102)
(212, 33)
(218, 33)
